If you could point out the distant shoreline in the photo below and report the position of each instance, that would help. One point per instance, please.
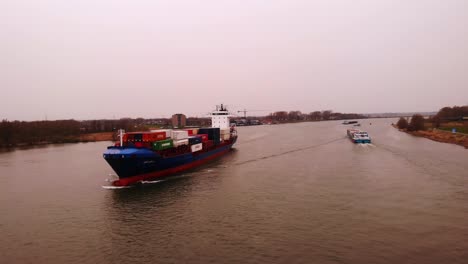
(83, 138)
(440, 136)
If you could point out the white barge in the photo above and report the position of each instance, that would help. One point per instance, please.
(358, 136)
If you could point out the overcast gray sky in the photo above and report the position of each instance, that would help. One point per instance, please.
(87, 59)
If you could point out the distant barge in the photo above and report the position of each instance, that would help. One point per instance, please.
(349, 122)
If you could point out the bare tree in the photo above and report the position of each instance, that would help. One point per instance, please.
(326, 114)
(315, 116)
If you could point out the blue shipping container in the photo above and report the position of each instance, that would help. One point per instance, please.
(212, 132)
(194, 140)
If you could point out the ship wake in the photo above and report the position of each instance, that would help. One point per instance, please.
(111, 187)
(291, 151)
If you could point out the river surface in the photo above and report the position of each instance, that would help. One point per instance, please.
(296, 193)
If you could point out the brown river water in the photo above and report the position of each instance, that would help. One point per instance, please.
(295, 193)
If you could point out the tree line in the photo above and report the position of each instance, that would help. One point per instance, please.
(455, 113)
(446, 114)
(16, 132)
(416, 123)
(298, 116)
(13, 133)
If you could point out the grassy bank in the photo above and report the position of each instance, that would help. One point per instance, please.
(440, 136)
(459, 129)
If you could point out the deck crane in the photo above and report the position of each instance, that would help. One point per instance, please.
(245, 112)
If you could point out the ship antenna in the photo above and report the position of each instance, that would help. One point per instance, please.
(121, 132)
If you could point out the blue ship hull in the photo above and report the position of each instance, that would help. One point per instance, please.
(361, 141)
(133, 165)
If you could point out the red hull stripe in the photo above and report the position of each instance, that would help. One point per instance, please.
(167, 172)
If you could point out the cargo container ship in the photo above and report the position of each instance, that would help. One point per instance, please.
(148, 156)
(358, 136)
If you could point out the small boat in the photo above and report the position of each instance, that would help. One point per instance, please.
(358, 136)
(356, 125)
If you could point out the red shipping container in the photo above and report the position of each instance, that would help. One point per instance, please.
(154, 136)
(128, 137)
(146, 144)
(159, 136)
(208, 144)
(190, 131)
(203, 136)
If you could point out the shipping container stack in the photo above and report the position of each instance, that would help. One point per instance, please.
(142, 140)
(213, 134)
(177, 141)
(168, 132)
(204, 137)
(180, 138)
(186, 139)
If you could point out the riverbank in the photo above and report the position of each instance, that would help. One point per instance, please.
(82, 138)
(103, 136)
(440, 136)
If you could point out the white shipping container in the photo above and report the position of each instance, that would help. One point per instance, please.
(197, 147)
(179, 134)
(167, 131)
(180, 142)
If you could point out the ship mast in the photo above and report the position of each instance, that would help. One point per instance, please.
(121, 133)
